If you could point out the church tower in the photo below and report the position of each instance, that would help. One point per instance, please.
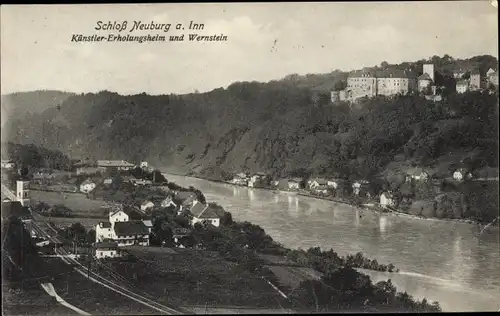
(23, 192)
(429, 69)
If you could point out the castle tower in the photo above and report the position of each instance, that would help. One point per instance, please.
(429, 69)
(23, 192)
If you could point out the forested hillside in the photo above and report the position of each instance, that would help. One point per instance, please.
(283, 127)
(17, 105)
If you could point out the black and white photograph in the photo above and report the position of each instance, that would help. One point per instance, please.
(250, 158)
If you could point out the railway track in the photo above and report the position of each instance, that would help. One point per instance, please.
(96, 278)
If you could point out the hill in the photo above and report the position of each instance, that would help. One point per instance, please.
(16, 105)
(283, 127)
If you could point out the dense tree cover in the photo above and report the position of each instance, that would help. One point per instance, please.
(278, 127)
(20, 105)
(322, 261)
(278, 131)
(57, 210)
(32, 156)
(345, 289)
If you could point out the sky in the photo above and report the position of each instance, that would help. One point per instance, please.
(265, 41)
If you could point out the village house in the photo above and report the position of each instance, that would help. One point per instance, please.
(461, 174)
(147, 205)
(386, 199)
(462, 86)
(468, 79)
(115, 164)
(185, 200)
(42, 176)
(358, 185)
(240, 179)
(334, 183)
(321, 189)
(8, 164)
(144, 165)
(314, 183)
(125, 226)
(107, 249)
(203, 213)
(492, 77)
(108, 181)
(336, 96)
(256, 179)
(87, 186)
(417, 174)
(167, 202)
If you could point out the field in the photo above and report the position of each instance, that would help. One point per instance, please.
(89, 296)
(77, 202)
(291, 277)
(192, 278)
(61, 222)
(30, 300)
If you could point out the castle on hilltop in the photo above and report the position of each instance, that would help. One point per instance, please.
(369, 83)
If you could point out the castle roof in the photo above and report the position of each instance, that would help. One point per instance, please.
(387, 73)
(424, 77)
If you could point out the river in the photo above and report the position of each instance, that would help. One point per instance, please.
(443, 261)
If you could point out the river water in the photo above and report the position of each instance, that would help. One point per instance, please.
(443, 261)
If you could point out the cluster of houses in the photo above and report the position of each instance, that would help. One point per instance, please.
(128, 226)
(186, 202)
(8, 164)
(320, 186)
(325, 187)
(88, 167)
(368, 83)
(105, 166)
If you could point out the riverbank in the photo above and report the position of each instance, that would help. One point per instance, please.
(367, 207)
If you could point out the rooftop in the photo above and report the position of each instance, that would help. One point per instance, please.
(131, 211)
(131, 228)
(200, 210)
(387, 73)
(114, 163)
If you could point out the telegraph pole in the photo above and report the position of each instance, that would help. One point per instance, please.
(89, 262)
(22, 257)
